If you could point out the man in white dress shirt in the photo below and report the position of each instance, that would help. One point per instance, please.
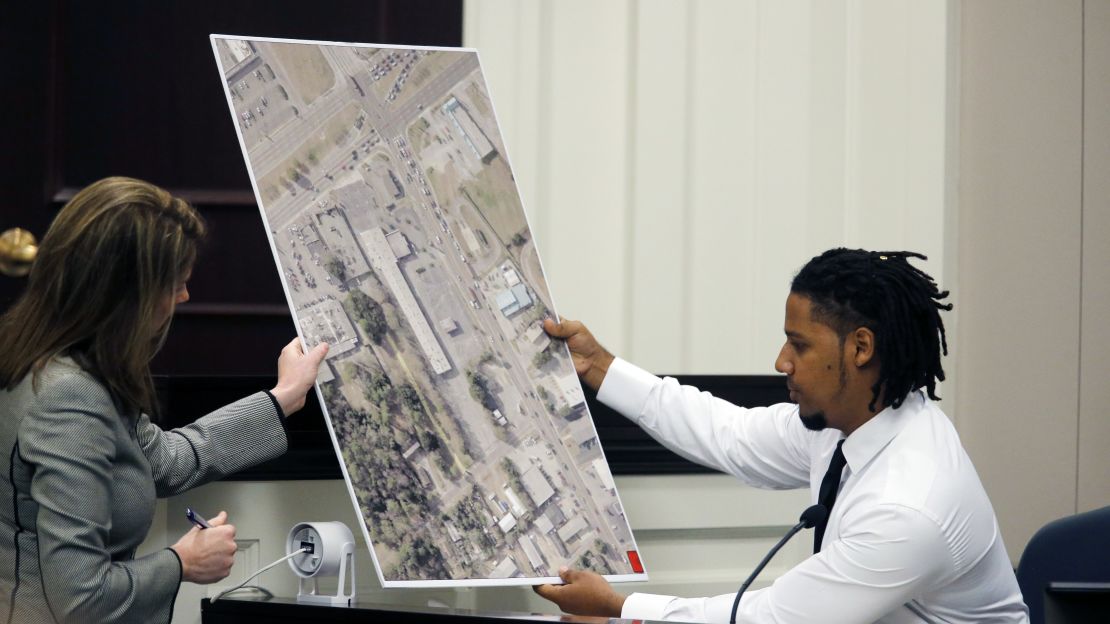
(911, 535)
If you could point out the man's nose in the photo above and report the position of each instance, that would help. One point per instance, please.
(783, 365)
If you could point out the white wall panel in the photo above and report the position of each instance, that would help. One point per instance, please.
(510, 58)
(586, 161)
(722, 256)
(881, 123)
(897, 82)
(658, 148)
(832, 57)
(568, 150)
(927, 134)
(782, 123)
(690, 156)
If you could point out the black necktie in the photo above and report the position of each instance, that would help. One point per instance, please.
(830, 485)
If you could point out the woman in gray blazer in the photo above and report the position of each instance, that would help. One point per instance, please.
(83, 463)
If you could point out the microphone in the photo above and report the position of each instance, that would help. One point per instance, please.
(811, 517)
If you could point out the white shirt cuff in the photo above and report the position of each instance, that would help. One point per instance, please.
(645, 607)
(626, 388)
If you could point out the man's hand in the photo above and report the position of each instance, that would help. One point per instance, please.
(585, 593)
(591, 360)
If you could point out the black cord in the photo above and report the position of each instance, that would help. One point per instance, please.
(813, 515)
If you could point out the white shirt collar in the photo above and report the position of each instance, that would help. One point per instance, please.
(870, 438)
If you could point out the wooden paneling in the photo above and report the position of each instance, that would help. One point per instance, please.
(131, 88)
(142, 93)
(629, 450)
(26, 63)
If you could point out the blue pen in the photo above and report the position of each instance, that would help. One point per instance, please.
(196, 519)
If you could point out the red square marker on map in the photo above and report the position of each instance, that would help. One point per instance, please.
(634, 560)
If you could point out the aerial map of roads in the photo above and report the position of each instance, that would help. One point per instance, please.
(396, 223)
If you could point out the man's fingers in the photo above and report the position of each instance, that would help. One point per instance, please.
(564, 329)
(221, 518)
(586, 619)
(547, 592)
(551, 592)
(551, 327)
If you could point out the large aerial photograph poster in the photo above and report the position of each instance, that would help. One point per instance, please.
(397, 227)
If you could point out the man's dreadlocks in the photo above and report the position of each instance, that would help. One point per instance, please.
(901, 304)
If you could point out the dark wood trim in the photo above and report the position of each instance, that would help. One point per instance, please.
(232, 309)
(631, 451)
(244, 610)
(628, 449)
(55, 97)
(181, 35)
(208, 198)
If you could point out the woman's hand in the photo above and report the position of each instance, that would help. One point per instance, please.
(296, 374)
(207, 554)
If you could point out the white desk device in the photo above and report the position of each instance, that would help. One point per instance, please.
(330, 551)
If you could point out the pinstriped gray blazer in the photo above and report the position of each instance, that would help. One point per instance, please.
(78, 491)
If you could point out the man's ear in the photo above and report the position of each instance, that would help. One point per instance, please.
(863, 339)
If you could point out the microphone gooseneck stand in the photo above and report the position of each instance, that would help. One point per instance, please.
(812, 516)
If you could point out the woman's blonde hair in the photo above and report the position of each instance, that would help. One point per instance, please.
(100, 288)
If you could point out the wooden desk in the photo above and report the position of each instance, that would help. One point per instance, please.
(289, 611)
